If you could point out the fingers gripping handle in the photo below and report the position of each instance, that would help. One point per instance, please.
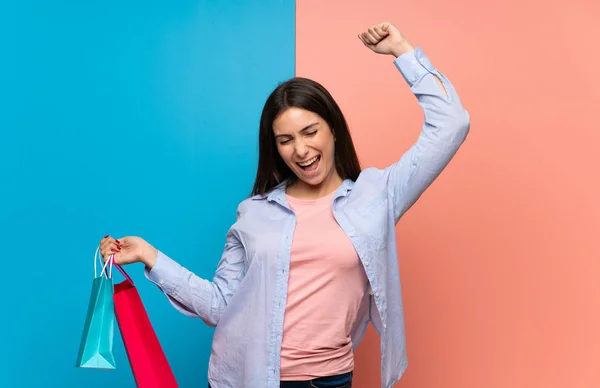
(110, 262)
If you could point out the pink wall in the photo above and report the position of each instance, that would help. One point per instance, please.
(499, 261)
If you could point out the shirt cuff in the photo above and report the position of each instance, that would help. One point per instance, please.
(413, 65)
(166, 273)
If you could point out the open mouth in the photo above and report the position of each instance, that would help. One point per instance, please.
(311, 164)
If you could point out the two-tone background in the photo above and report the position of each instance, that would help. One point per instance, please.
(141, 117)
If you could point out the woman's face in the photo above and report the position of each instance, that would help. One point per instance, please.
(307, 145)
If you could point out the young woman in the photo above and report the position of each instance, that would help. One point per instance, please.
(312, 256)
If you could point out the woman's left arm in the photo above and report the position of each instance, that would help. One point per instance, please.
(446, 123)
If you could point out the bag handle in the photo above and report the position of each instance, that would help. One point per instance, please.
(117, 266)
(111, 260)
(96, 259)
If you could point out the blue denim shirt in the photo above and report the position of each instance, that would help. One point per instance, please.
(246, 299)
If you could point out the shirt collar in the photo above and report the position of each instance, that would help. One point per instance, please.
(277, 194)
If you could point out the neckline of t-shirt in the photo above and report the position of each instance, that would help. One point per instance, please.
(302, 201)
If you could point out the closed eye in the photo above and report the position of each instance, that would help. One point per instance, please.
(287, 140)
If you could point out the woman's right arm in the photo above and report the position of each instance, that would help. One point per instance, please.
(188, 293)
(197, 297)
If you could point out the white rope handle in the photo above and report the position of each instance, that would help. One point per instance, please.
(108, 261)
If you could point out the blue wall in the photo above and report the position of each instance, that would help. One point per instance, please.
(135, 117)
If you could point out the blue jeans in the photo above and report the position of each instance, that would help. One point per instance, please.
(338, 381)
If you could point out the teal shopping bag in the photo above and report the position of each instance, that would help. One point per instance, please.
(95, 350)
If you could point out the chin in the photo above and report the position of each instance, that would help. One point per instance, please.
(316, 181)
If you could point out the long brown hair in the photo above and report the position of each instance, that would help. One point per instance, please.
(306, 94)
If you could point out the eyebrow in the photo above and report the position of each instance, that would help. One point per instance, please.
(309, 126)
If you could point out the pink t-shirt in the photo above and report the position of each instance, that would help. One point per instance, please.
(326, 285)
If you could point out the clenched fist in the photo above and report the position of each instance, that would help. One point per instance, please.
(385, 38)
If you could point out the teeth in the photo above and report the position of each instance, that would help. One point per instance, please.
(309, 162)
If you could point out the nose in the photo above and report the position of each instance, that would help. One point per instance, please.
(301, 149)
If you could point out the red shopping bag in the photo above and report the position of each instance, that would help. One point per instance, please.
(146, 357)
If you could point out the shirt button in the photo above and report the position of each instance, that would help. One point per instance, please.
(384, 326)
(377, 294)
(351, 234)
(162, 281)
(422, 60)
(367, 263)
(414, 62)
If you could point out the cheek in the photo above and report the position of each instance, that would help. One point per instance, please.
(285, 154)
(330, 149)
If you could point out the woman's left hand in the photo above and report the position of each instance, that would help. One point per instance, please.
(385, 38)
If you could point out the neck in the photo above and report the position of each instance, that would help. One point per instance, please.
(303, 190)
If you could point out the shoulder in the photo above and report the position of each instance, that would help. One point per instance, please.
(243, 216)
(251, 205)
(370, 175)
(258, 203)
(244, 206)
(371, 179)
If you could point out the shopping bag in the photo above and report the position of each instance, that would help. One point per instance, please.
(147, 359)
(95, 349)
